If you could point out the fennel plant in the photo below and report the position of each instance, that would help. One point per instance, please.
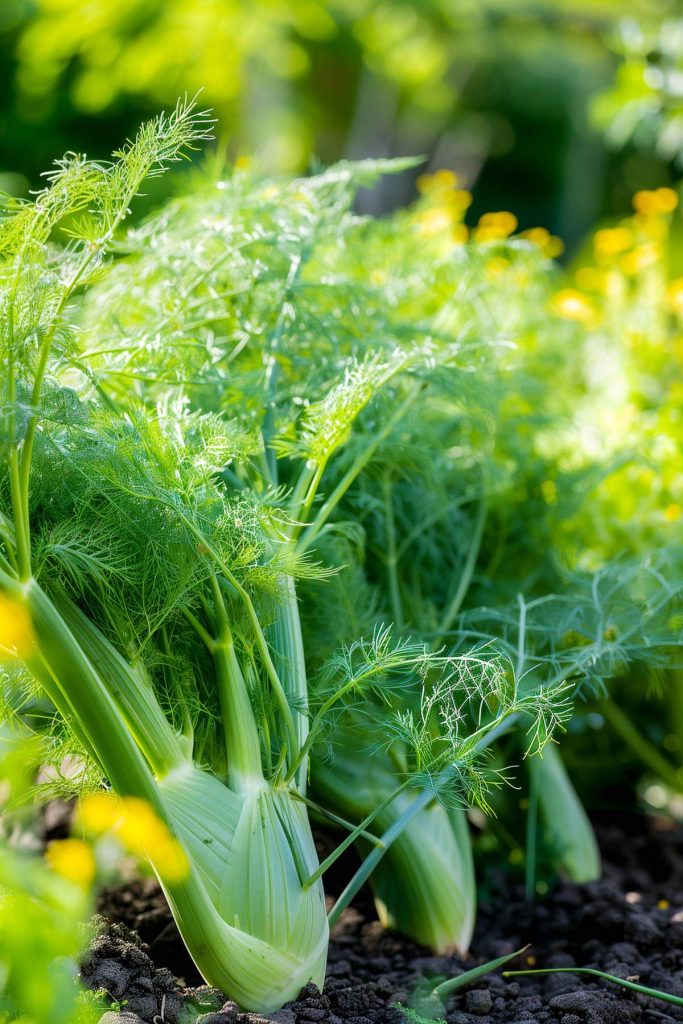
(162, 466)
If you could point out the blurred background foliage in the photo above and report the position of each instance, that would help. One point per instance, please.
(556, 109)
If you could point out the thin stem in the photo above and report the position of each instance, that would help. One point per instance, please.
(322, 812)
(467, 574)
(374, 857)
(521, 637)
(391, 559)
(531, 835)
(320, 714)
(328, 506)
(357, 831)
(647, 753)
(645, 990)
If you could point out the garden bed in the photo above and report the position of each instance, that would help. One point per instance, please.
(629, 924)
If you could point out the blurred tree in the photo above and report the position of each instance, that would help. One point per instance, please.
(495, 89)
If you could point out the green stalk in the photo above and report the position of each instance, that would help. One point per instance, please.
(79, 693)
(310, 533)
(647, 753)
(241, 735)
(286, 641)
(355, 834)
(644, 990)
(424, 884)
(467, 573)
(129, 688)
(564, 817)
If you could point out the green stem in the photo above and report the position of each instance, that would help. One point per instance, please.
(391, 559)
(531, 836)
(129, 688)
(655, 993)
(78, 692)
(328, 506)
(286, 641)
(357, 831)
(647, 753)
(467, 573)
(322, 812)
(245, 771)
(373, 858)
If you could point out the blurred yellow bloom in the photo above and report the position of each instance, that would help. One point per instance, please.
(378, 277)
(460, 234)
(550, 245)
(496, 267)
(674, 296)
(572, 305)
(439, 181)
(16, 628)
(99, 813)
(493, 227)
(672, 512)
(653, 202)
(612, 241)
(460, 200)
(72, 859)
(433, 221)
(642, 257)
(138, 828)
(668, 199)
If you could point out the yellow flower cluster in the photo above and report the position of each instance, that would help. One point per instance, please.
(73, 859)
(16, 628)
(656, 202)
(138, 828)
(571, 304)
(495, 227)
(443, 206)
(550, 245)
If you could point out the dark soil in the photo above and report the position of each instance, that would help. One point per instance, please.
(629, 924)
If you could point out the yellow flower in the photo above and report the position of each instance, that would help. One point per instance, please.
(672, 512)
(434, 221)
(72, 859)
(460, 200)
(494, 227)
(651, 203)
(440, 181)
(572, 305)
(496, 267)
(138, 828)
(99, 813)
(170, 860)
(16, 628)
(612, 241)
(460, 234)
(674, 296)
(668, 199)
(642, 257)
(550, 245)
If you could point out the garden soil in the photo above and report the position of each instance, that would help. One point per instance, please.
(630, 924)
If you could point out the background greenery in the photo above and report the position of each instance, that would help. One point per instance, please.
(556, 109)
